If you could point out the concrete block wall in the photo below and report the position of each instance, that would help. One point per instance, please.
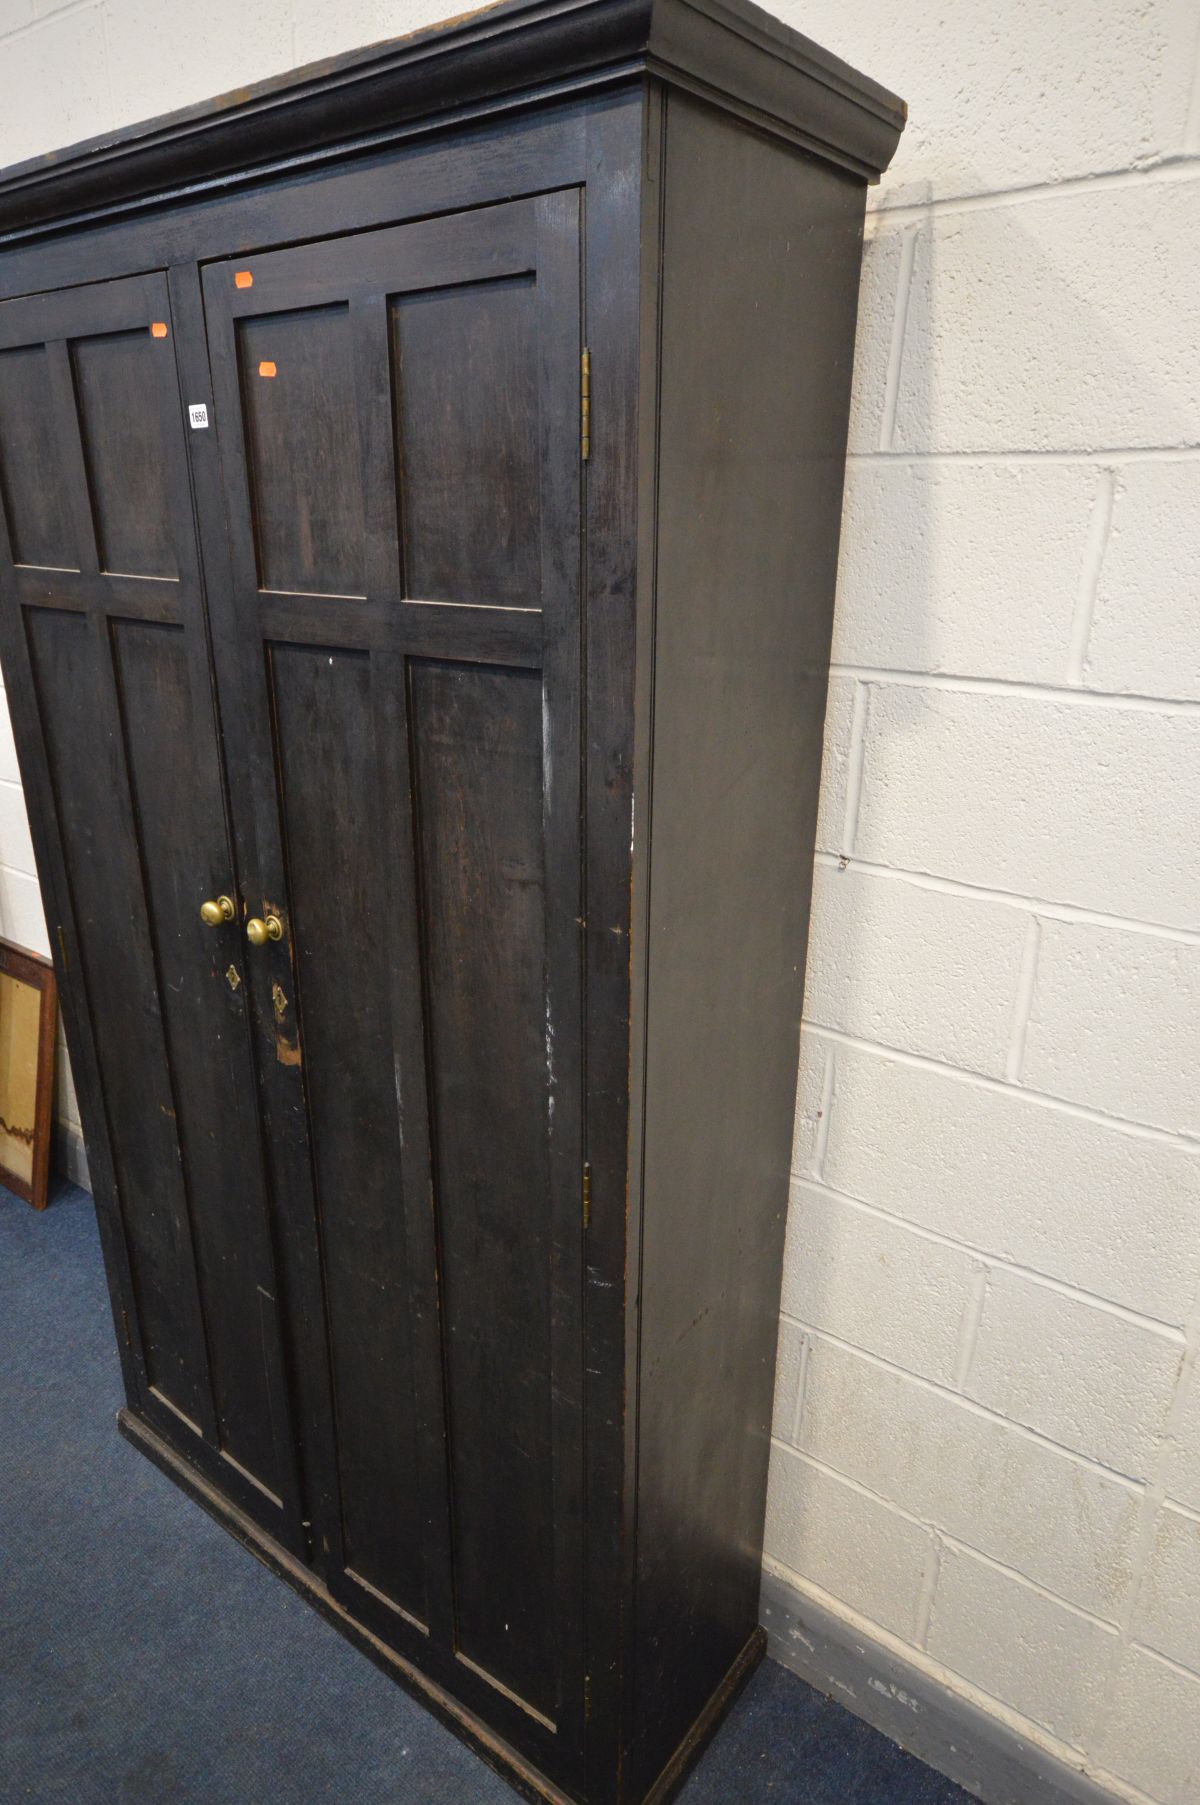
(987, 1436)
(987, 1430)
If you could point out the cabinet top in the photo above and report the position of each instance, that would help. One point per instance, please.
(475, 63)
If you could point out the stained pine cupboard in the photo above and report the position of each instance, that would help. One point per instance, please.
(419, 485)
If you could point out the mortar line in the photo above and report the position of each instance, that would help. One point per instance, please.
(891, 392)
(1055, 911)
(108, 66)
(983, 1412)
(1019, 688)
(801, 1386)
(30, 877)
(1023, 1001)
(1165, 171)
(953, 1544)
(821, 1141)
(1154, 1497)
(1019, 456)
(1142, 1131)
(856, 754)
(1099, 530)
(929, 1585)
(35, 20)
(972, 1321)
(1156, 1654)
(1189, 1512)
(1141, 1319)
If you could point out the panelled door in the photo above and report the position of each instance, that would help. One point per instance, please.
(398, 421)
(106, 653)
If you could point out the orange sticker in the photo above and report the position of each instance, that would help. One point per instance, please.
(243, 279)
(158, 329)
(266, 368)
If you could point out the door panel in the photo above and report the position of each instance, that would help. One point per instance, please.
(477, 733)
(120, 984)
(303, 449)
(117, 382)
(102, 624)
(398, 425)
(333, 826)
(467, 440)
(34, 489)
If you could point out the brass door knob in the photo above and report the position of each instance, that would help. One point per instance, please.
(258, 932)
(217, 910)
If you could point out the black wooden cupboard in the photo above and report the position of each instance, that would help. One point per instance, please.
(420, 482)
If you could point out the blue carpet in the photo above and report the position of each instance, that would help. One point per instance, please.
(146, 1659)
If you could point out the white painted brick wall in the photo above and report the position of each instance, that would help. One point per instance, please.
(1015, 726)
(974, 1597)
(1145, 636)
(1019, 339)
(854, 1546)
(988, 1413)
(1168, 1615)
(1084, 1374)
(881, 1284)
(1092, 804)
(1016, 93)
(1110, 1211)
(1115, 1022)
(916, 969)
(992, 1486)
(1152, 1737)
(964, 592)
(1183, 1459)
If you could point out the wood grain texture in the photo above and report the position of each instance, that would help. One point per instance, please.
(116, 385)
(466, 370)
(31, 477)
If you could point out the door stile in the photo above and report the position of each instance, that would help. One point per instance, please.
(202, 670)
(238, 654)
(560, 346)
(371, 338)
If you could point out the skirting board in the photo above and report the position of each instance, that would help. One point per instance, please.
(69, 1156)
(946, 1731)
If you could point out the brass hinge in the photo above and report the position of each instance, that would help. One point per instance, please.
(587, 1196)
(125, 1327)
(587, 1697)
(585, 406)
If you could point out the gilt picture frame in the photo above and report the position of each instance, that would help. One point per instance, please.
(28, 1012)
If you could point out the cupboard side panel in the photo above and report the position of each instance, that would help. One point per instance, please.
(760, 262)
